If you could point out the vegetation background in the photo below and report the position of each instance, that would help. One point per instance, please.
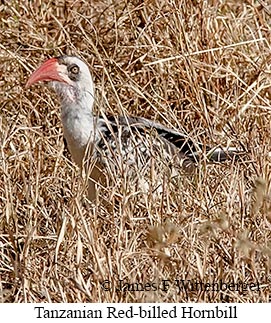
(202, 67)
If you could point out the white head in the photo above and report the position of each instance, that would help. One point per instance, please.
(69, 76)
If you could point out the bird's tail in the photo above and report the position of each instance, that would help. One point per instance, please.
(218, 154)
(223, 154)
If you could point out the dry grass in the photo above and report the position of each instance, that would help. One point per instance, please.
(198, 66)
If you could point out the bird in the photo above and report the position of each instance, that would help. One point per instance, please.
(110, 147)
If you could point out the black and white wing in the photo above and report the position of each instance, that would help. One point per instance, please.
(176, 143)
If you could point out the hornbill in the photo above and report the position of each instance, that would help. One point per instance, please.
(112, 146)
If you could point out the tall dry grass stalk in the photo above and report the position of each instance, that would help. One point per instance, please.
(202, 67)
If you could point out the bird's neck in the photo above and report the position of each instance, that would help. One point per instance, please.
(78, 123)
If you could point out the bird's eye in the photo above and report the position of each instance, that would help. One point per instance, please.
(74, 69)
